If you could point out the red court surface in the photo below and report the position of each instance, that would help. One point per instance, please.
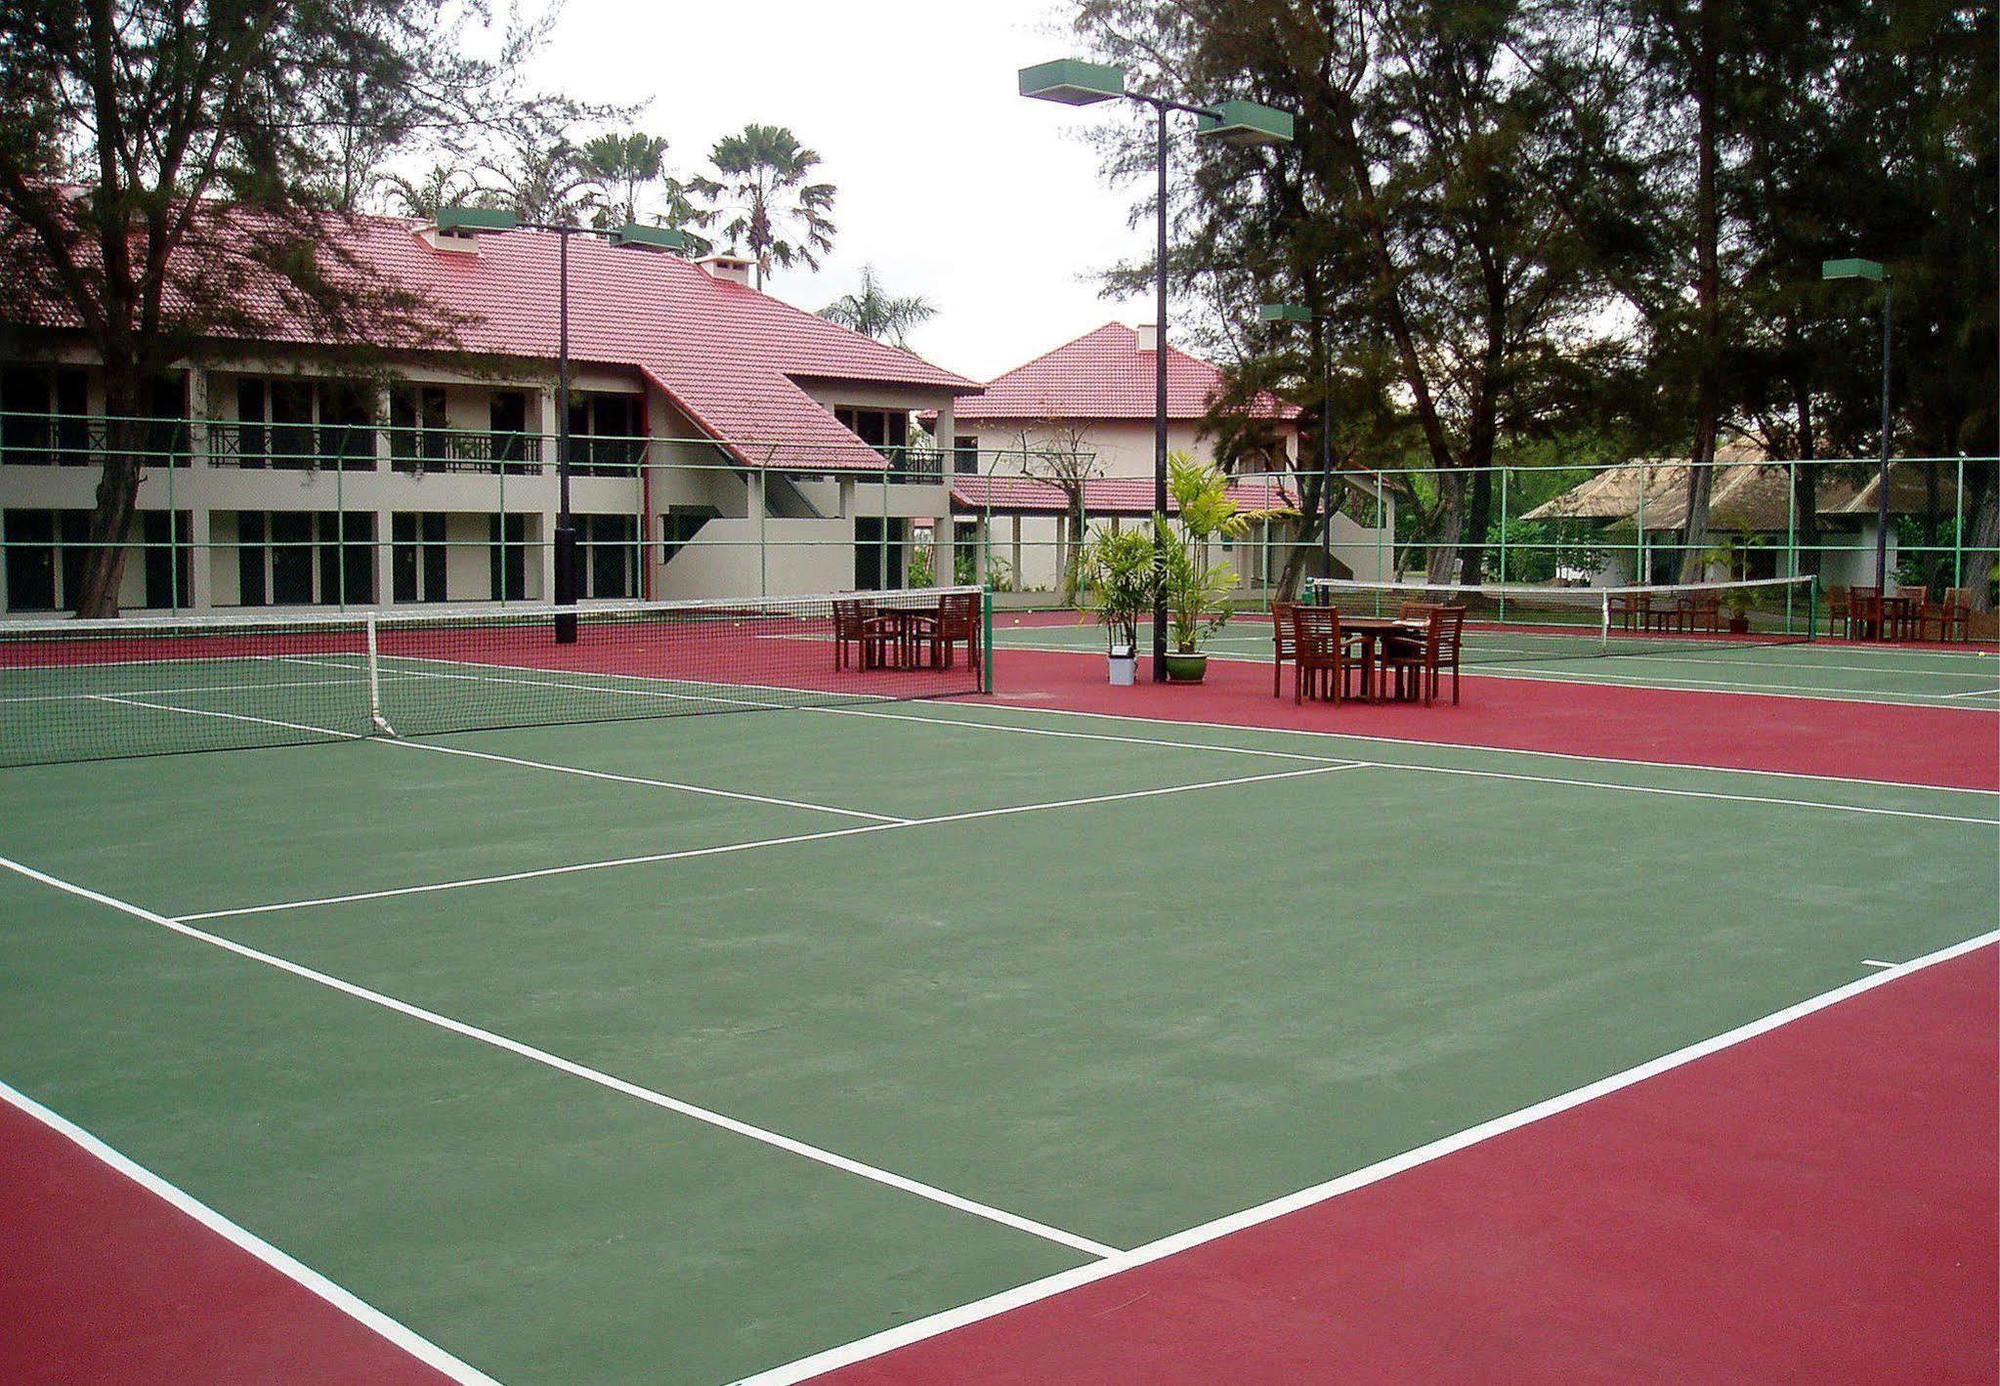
(102, 1280)
(1814, 1204)
(1949, 747)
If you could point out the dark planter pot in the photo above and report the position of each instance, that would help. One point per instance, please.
(1739, 625)
(1186, 668)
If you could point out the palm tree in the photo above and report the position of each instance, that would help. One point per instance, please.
(446, 185)
(538, 180)
(770, 206)
(622, 166)
(877, 314)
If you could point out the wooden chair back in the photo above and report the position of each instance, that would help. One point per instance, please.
(1315, 632)
(1284, 639)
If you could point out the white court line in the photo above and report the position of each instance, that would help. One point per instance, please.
(356, 682)
(348, 1303)
(602, 1079)
(1975, 693)
(505, 760)
(1430, 769)
(1877, 962)
(1665, 683)
(997, 705)
(917, 1330)
(1222, 726)
(727, 848)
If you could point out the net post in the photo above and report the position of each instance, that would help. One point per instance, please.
(1604, 622)
(985, 639)
(377, 723)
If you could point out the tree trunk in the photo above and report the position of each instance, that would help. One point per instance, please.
(117, 499)
(1305, 540)
(1708, 299)
(1478, 519)
(1451, 527)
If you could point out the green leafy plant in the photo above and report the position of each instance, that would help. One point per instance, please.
(1118, 569)
(1198, 588)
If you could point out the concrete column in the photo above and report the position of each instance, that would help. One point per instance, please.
(194, 489)
(1017, 553)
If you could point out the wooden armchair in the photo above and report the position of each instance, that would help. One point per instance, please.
(958, 621)
(1320, 654)
(852, 626)
(1951, 618)
(1702, 612)
(1629, 610)
(1284, 644)
(1839, 612)
(1415, 664)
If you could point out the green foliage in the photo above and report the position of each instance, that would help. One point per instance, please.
(765, 201)
(1118, 570)
(878, 314)
(919, 572)
(1198, 588)
(965, 571)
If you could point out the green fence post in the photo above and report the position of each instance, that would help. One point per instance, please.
(986, 639)
(1503, 543)
(340, 528)
(1958, 529)
(173, 543)
(1791, 534)
(763, 541)
(1381, 517)
(1644, 571)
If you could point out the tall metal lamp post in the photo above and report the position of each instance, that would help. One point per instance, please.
(1243, 123)
(1294, 312)
(473, 219)
(1872, 269)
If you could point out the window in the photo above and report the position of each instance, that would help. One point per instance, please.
(508, 556)
(606, 557)
(418, 557)
(276, 421)
(507, 416)
(965, 455)
(169, 579)
(605, 434)
(885, 430)
(679, 526)
(299, 557)
(418, 424)
(44, 416)
(878, 553)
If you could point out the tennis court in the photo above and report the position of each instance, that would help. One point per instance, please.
(627, 1047)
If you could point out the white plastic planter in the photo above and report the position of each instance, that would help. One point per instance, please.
(1124, 666)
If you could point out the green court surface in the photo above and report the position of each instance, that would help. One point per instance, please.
(1839, 670)
(1086, 981)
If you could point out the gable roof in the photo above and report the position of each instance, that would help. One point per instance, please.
(728, 356)
(1104, 375)
(1745, 497)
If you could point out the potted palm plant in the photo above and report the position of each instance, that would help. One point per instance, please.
(1198, 587)
(1118, 568)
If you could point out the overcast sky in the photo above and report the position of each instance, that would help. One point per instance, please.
(951, 184)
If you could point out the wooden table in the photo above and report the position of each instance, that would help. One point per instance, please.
(1374, 632)
(1883, 618)
(902, 633)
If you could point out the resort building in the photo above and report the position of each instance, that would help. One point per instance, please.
(1081, 418)
(721, 443)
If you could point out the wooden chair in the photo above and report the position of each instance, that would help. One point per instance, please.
(1839, 613)
(1629, 610)
(1702, 612)
(1864, 613)
(851, 626)
(1320, 654)
(1416, 665)
(1950, 618)
(1284, 644)
(957, 621)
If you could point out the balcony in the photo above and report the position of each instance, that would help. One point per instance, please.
(84, 440)
(915, 466)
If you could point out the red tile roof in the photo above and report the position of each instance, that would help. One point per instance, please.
(728, 356)
(1020, 495)
(1104, 375)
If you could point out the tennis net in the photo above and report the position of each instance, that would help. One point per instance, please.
(1518, 622)
(84, 690)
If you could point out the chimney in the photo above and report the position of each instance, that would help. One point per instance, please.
(1149, 336)
(730, 269)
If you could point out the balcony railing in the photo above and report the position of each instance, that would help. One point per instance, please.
(915, 466)
(81, 440)
(418, 451)
(299, 447)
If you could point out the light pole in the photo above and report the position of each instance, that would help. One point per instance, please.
(463, 219)
(1294, 312)
(1872, 269)
(1242, 123)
